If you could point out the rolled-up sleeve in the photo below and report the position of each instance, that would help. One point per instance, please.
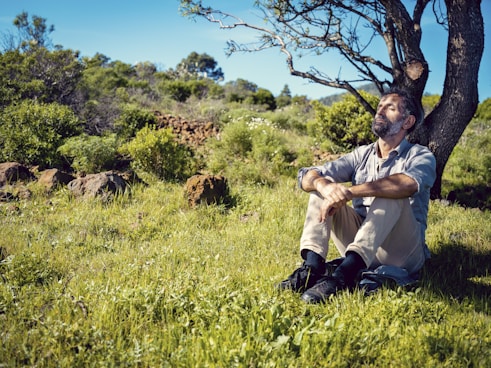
(338, 171)
(421, 167)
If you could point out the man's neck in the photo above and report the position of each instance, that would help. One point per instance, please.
(385, 145)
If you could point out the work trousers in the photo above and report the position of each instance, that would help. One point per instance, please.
(389, 235)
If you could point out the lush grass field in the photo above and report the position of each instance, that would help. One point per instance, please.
(146, 281)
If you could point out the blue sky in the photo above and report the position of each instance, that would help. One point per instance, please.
(153, 30)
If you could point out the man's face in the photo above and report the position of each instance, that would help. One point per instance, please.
(389, 118)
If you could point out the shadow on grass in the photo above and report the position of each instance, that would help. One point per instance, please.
(460, 273)
(472, 196)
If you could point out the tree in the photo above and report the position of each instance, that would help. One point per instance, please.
(350, 27)
(239, 90)
(264, 97)
(199, 66)
(30, 69)
(285, 97)
(30, 34)
(101, 85)
(42, 75)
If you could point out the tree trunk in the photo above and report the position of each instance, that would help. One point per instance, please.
(444, 126)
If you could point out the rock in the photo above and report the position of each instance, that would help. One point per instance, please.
(53, 178)
(192, 133)
(104, 185)
(11, 172)
(207, 189)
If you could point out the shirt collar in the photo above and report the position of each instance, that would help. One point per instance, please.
(402, 147)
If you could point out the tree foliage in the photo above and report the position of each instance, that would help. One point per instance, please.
(31, 34)
(42, 75)
(199, 66)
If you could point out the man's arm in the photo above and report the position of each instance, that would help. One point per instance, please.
(337, 195)
(394, 186)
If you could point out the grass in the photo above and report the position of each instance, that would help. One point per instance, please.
(145, 281)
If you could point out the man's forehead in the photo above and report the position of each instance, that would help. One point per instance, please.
(391, 98)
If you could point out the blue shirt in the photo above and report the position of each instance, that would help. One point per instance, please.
(363, 165)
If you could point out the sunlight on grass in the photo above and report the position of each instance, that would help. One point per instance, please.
(146, 281)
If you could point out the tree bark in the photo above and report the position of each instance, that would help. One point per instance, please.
(444, 126)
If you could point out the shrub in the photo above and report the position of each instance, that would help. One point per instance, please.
(429, 102)
(132, 119)
(91, 154)
(30, 133)
(263, 97)
(178, 90)
(251, 150)
(156, 153)
(346, 123)
(484, 110)
(290, 118)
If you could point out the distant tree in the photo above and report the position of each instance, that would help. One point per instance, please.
(41, 75)
(30, 33)
(199, 66)
(239, 90)
(263, 97)
(284, 98)
(103, 87)
(351, 27)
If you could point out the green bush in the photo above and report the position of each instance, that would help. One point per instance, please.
(429, 102)
(484, 110)
(132, 119)
(252, 151)
(263, 97)
(345, 123)
(290, 118)
(30, 133)
(178, 90)
(205, 88)
(236, 113)
(91, 154)
(157, 154)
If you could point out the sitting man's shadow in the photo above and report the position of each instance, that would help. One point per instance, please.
(460, 273)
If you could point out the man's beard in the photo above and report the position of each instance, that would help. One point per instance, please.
(386, 129)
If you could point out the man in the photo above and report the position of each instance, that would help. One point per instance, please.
(390, 191)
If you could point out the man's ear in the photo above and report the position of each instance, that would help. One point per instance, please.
(410, 121)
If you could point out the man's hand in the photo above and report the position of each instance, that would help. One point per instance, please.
(335, 196)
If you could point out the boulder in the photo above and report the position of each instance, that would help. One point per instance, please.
(11, 172)
(104, 185)
(206, 189)
(52, 178)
